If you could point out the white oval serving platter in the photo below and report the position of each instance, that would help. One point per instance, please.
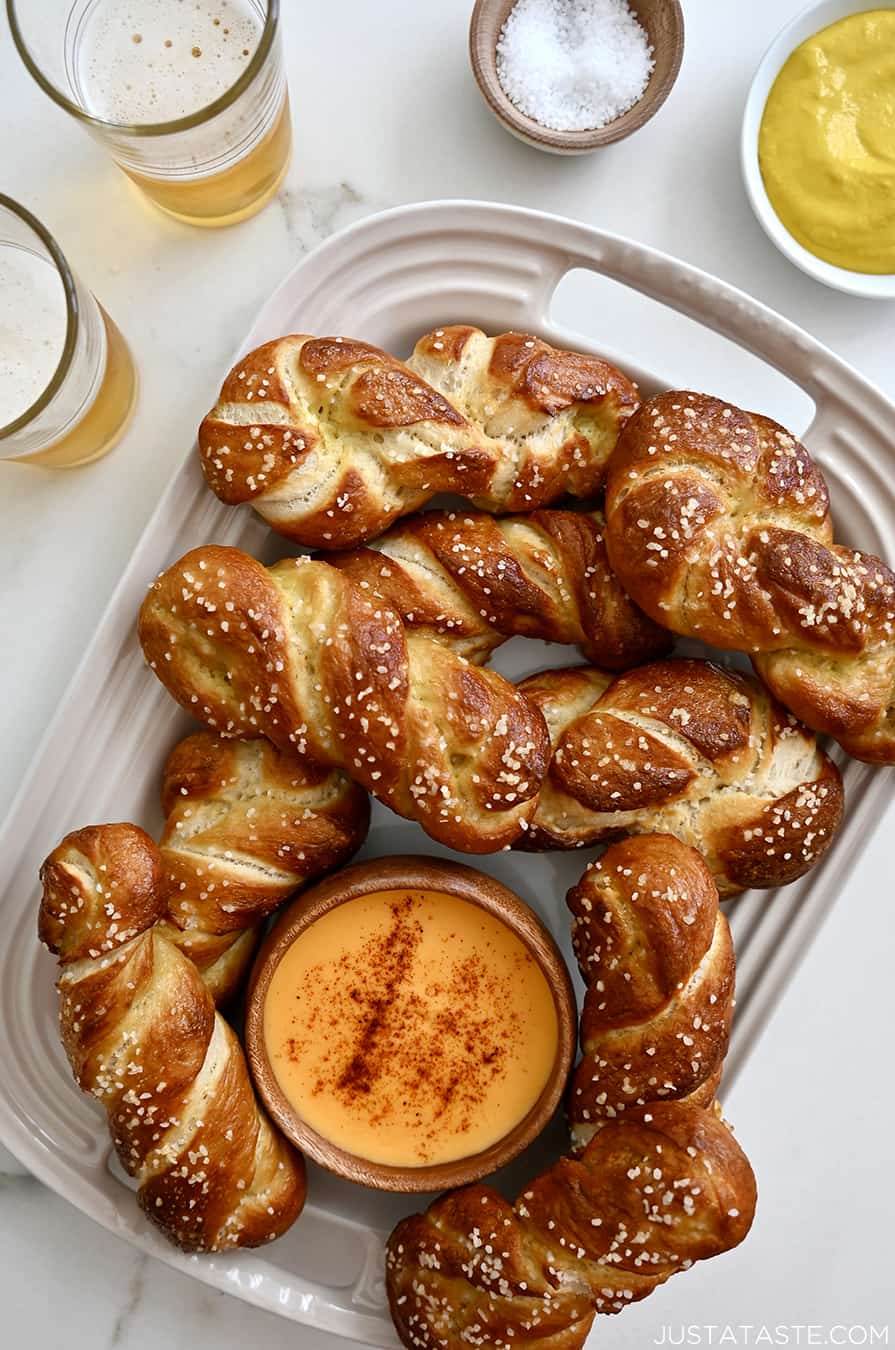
(388, 279)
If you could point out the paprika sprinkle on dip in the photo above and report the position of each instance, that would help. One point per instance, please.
(410, 1027)
(827, 143)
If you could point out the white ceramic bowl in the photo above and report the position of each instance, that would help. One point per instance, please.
(805, 25)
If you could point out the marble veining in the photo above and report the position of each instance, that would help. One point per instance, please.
(131, 1302)
(311, 215)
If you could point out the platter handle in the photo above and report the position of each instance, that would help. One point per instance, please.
(846, 404)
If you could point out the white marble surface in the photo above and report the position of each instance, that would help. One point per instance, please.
(385, 112)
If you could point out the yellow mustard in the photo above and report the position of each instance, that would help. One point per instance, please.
(827, 143)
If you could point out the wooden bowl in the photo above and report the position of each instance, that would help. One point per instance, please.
(416, 873)
(664, 23)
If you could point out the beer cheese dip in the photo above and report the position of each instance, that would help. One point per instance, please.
(410, 1027)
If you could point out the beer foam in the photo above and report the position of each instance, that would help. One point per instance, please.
(32, 328)
(160, 60)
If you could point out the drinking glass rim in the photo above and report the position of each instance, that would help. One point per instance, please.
(72, 315)
(220, 104)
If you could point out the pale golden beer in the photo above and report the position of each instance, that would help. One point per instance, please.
(107, 416)
(189, 98)
(67, 381)
(234, 193)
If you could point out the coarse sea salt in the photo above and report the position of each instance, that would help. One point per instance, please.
(573, 65)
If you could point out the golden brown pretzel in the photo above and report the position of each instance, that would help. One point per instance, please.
(299, 654)
(718, 526)
(247, 824)
(684, 747)
(656, 955)
(142, 1036)
(551, 417)
(331, 439)
(665, 1186)
(474, 581)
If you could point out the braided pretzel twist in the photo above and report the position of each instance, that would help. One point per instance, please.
(665, 1186)
(661, 1185)
(684, 747)
(142, 1036)
(247, 824)
(297, 653)
(718, 526)
(474, 581)
(656, 955)
(331, 439)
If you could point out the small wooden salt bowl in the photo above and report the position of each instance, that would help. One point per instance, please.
(664, 24)
(413, 873)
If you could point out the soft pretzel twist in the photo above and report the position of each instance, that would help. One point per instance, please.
(475, 581)
(331, 439)
(656, 955)
(550, 417)
(297, 653)
(247, 824)
(665, 1186)
(686, 748)
(142, 1037)
(718, 526)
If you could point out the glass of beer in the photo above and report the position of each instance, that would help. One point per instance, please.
(67, 382)
(188, 96)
